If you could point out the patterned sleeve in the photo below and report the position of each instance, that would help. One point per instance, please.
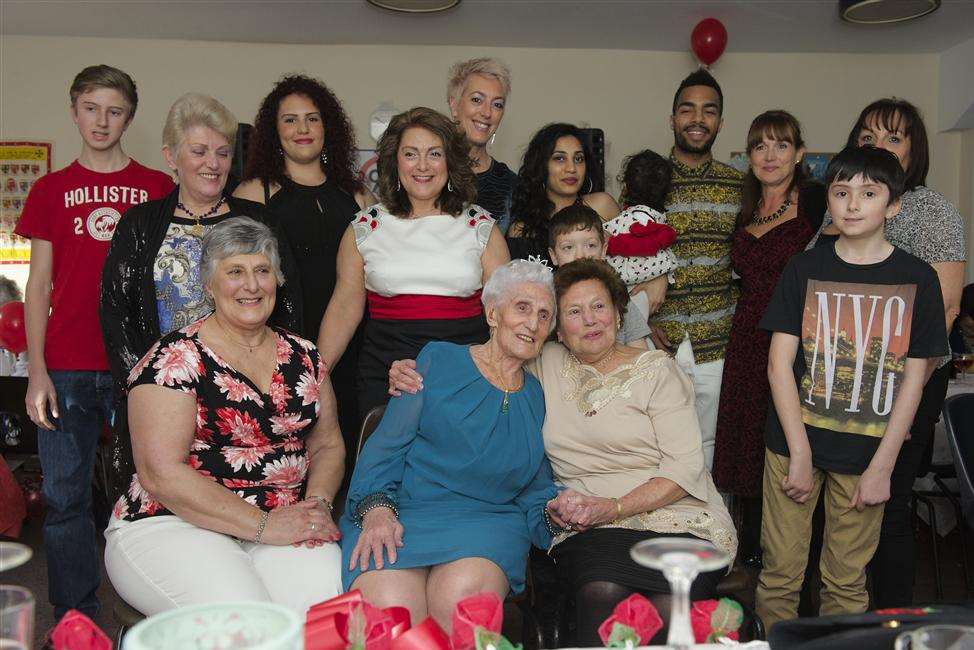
(939, 233)
(481, 221)
(173, 361)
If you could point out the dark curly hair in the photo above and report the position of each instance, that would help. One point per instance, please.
(645, 180)
(264, 157)
(588, 268)
(455, 146)
(531, 206)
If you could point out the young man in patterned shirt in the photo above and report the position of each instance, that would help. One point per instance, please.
(694, 314)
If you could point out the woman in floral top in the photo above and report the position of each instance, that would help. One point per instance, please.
(237, 450)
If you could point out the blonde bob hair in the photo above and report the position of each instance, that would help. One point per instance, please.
(488, 67)
(195, 109)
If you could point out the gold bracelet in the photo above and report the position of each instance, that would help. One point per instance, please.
(618, 508)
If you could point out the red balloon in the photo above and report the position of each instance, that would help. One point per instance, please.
(13, 336)
(708, 40)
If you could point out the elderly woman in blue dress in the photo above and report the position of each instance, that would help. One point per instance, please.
(451, 489)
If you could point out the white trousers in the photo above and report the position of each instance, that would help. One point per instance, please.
(706, 387)
(161, 563)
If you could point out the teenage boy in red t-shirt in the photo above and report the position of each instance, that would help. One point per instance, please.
(70, 216)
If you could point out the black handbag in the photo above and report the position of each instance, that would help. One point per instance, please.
(870, 631)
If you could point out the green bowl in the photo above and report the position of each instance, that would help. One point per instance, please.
(219, 626)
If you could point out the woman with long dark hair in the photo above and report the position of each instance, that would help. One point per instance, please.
(301, 165)
(557, 170)
(780, 211)
(929, 227)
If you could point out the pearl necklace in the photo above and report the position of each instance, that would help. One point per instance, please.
(757, 221)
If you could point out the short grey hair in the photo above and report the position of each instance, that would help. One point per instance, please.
(238, 236)
(462, 70)
(196, 109)
(506, 278)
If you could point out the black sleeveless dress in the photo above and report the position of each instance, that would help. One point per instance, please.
(314, 218)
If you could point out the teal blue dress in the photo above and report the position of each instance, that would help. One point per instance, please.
(470, 479)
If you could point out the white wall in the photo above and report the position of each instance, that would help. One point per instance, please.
(957, 87)
(627, 93)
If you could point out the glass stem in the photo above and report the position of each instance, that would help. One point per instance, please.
(680, 635)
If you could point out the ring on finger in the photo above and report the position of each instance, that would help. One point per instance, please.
(314, 526)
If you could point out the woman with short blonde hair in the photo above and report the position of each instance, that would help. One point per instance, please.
(150, 283)
(195, 109)
(477, 91)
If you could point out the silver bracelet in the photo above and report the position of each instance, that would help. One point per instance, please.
(371, 502)
(323, 501)
(264, 514)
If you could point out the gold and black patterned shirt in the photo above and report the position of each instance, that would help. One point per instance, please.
(702, 207)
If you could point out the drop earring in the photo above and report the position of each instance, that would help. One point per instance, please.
(493, 136)
(324, 157)
(449, 185)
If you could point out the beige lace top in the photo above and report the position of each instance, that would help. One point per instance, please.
(607, 434)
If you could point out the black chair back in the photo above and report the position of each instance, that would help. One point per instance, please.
(369, 424)
(958, 414)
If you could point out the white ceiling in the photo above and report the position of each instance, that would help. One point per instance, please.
(753, 25)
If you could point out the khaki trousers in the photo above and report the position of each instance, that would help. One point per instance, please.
(786, 528)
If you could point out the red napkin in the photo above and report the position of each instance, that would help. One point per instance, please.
(428, 635)
(637, 613)
(642, 241)
(327, 624)
(75, 631)
(484, 610)
(712, 619)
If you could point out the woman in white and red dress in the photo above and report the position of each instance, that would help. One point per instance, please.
(419, 258)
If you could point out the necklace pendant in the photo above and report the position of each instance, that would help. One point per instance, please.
(197, 229)
(506, 403)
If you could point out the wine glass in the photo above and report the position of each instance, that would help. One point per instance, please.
(963, 362)
(16, 603)
(680, 559)
(13, 554)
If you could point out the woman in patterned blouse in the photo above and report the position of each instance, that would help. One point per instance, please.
(237, 449)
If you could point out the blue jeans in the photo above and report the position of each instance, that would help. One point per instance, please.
(85, 403)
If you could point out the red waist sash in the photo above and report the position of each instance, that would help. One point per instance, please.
(423, 307)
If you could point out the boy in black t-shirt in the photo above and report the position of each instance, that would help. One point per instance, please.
(857, 329)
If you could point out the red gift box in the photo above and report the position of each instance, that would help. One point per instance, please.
(75, 631)
(484, 610)
(636, 612)
(428, 635)
(327, 624)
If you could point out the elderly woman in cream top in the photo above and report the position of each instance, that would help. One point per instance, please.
(621, 430)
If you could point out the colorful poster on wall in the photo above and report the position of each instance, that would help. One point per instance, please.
(21, 164)
(368, 169)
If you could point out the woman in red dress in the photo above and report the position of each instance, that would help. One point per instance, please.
(780, 211)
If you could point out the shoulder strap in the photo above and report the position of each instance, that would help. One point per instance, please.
(267, 190)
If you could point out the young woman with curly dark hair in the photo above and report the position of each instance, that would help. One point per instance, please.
(419, 259)
(554, 174)
(301, 165)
